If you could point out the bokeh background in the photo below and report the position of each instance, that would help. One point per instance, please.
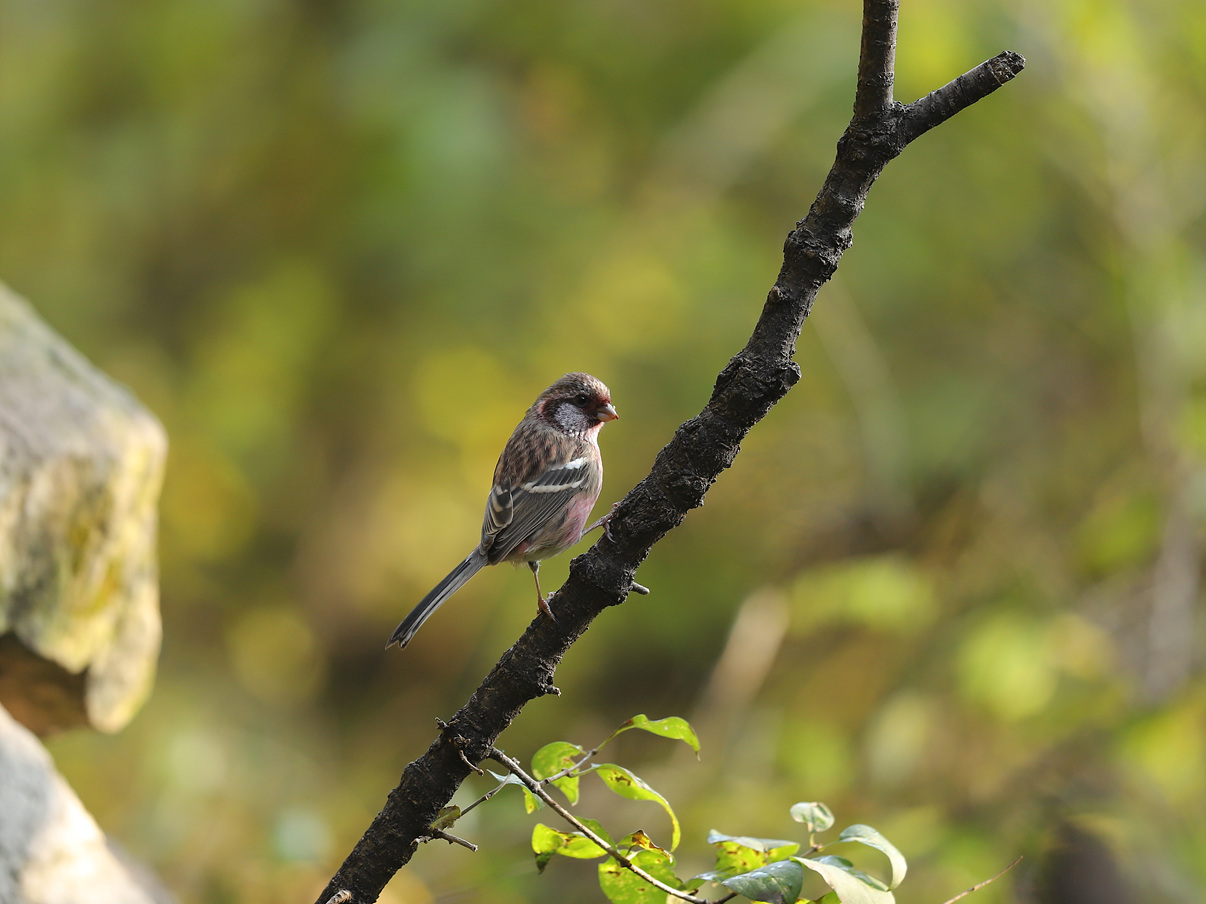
(953, 584)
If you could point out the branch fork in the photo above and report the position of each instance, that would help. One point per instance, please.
(754, 380)
(538, 788)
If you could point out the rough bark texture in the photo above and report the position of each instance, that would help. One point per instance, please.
(81, 464)
(754, 380)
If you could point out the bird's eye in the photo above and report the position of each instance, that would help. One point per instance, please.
(581, 398)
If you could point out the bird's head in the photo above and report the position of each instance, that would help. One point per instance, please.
(577, 403)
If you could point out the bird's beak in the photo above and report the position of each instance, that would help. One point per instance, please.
(607, 413)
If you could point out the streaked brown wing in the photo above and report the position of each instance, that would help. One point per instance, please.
(516, 515)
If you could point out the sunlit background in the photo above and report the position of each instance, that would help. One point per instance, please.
(953, 584)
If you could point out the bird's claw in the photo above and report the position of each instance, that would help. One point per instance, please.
(543, 603)
(605, 523)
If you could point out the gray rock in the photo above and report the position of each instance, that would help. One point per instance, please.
(51, 850)
(81, 464)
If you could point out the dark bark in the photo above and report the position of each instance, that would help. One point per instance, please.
(755, 379)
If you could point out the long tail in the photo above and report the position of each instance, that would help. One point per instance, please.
(455, 581)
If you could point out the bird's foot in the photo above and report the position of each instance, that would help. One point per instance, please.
(543, 603)
(640, 588)
(605, 523)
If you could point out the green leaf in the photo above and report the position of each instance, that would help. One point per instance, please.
(531, 802)
(778, 883)
(638, 840)
(554, 758)
(673, 727)
(545, 843)
(815, 815)
(595, 826)
(445, 818)
(835, 860)
(740, 853)
(872, 838)
(581, 848)
(622, 886)
(851, 887)
(548, 842)
(508, 779)
(727, 867)
(765, 845)
(625, 784)
(843, 863)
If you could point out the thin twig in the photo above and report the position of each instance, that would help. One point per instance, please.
(485, 797)
(573, 767)
(547, 780)
(475, 768)
(537, 788)
(980, 885)
(453, 839)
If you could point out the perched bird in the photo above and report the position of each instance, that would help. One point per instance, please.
(545, 484)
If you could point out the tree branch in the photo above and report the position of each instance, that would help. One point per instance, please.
(877, 59)
(754, 380)
(939, 106)
(537, 788)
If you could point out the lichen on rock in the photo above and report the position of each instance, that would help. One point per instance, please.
(81, 465)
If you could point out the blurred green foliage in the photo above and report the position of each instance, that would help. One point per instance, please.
(953, 584)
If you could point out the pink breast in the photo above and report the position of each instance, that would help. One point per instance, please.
(559, 535)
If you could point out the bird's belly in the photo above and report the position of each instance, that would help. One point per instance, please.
(559, 535)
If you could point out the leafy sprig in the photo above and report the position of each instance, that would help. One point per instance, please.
(635, 869)
(760, 869)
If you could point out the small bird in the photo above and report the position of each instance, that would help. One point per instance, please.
(546, 482)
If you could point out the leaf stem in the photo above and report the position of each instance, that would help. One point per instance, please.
(485, 797)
